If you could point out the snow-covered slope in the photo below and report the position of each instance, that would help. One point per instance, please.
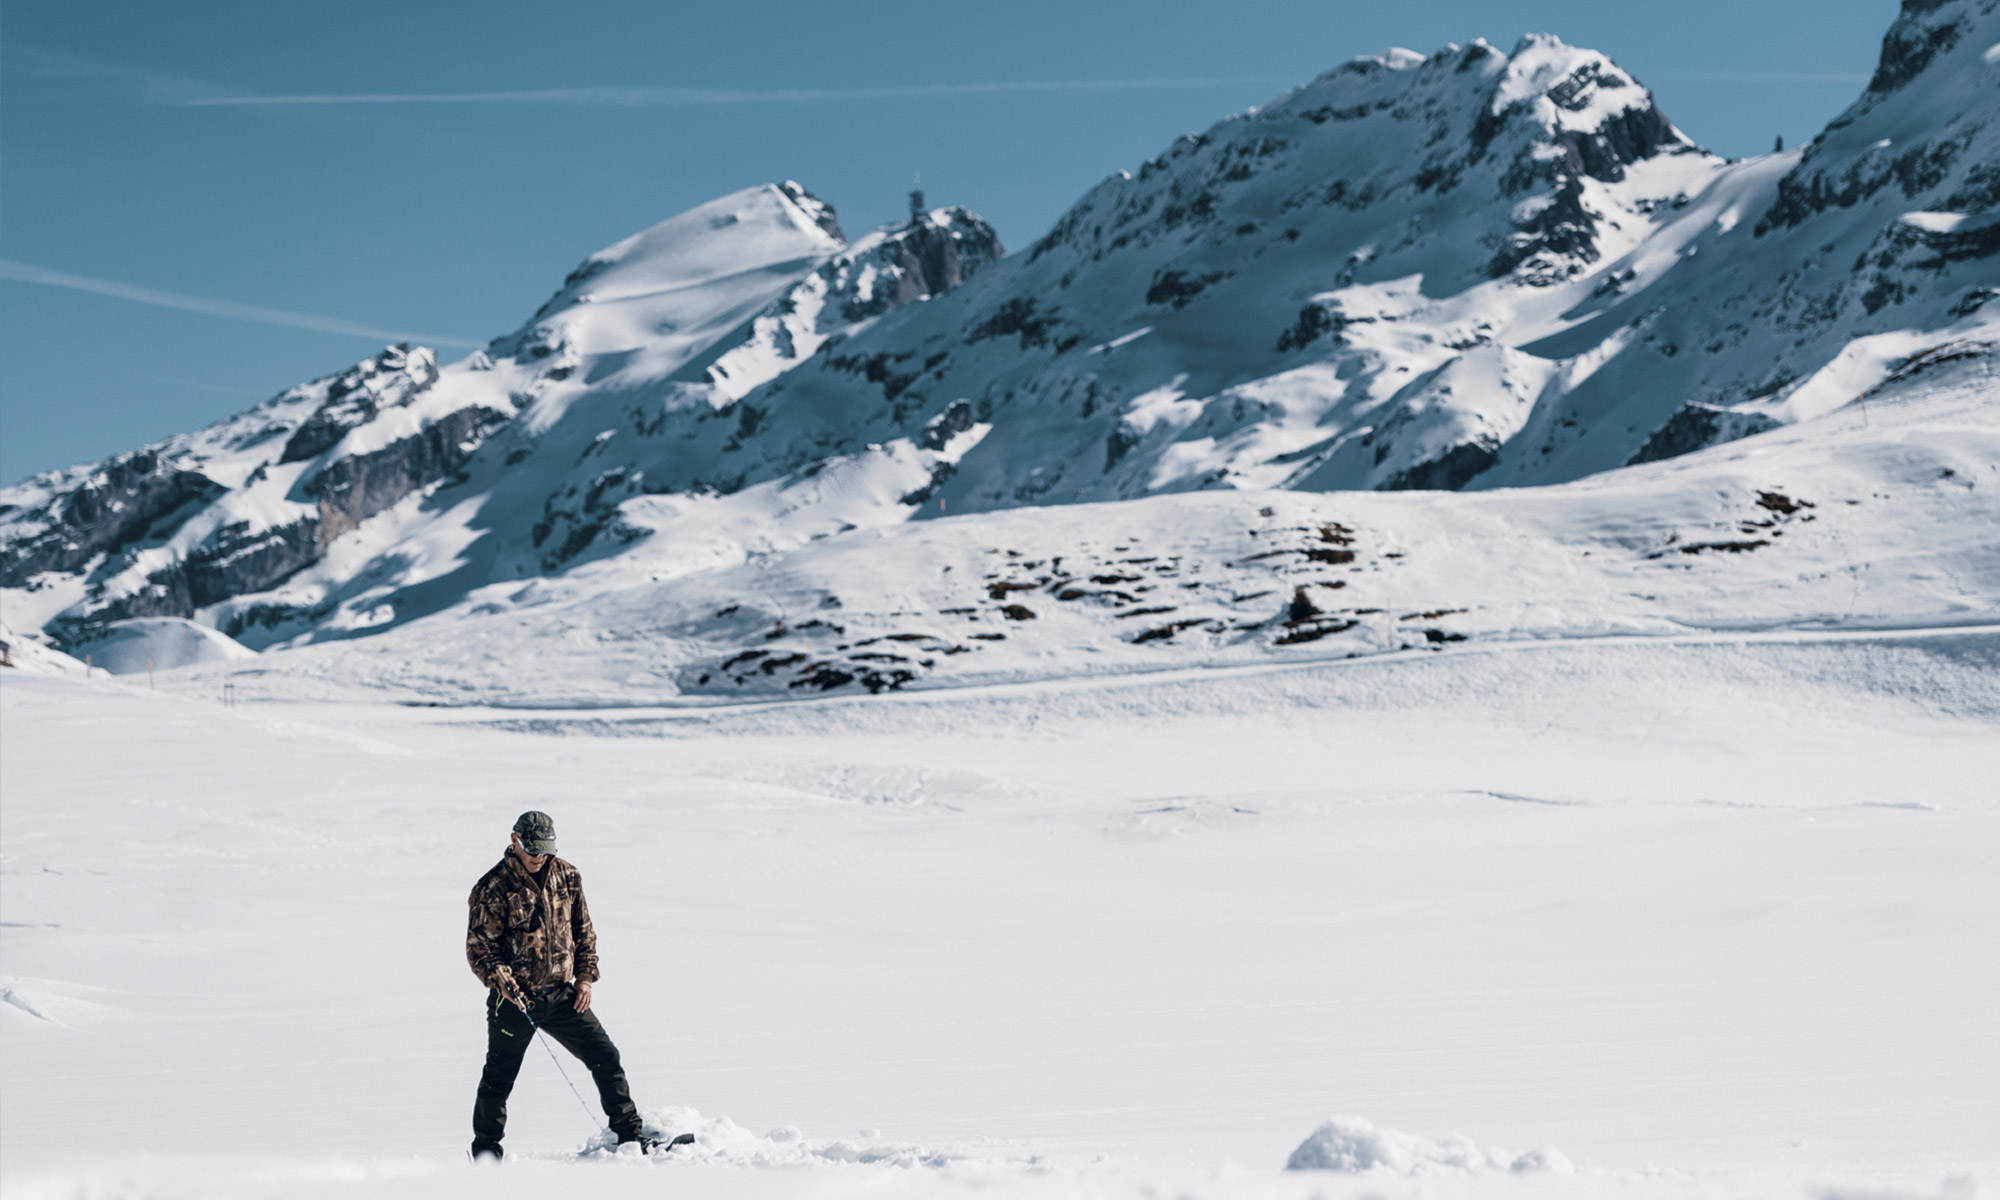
(25, 654)
(1831, 524)
(1458, 271)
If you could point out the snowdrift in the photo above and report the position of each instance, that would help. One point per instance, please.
(1353, 1145)
(160, 644)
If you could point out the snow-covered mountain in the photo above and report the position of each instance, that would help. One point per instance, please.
(1473, 269)
(1469, 270)
(318, 510)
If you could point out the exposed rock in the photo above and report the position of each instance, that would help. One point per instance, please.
(925, 257)
(163, 594)
(237, 559)
(1920, 34)
(1697, 426)
(820, 211)
(352, 489)
(238, 562)
(954, 420)
(134, 496)
(1448, 472)
(1811, 188)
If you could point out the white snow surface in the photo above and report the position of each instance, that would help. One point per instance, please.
(1354, 1145)
(1696, 919)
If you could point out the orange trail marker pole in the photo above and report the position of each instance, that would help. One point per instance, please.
(1862, 398)
(149, 674)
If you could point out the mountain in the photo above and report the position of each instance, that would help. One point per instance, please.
(1474, 269)
(1470, 270)
(339, 502)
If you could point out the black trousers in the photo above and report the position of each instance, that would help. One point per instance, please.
(508, 1034)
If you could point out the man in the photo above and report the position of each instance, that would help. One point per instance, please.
(531, 943)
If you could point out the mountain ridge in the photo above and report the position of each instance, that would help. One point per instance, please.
(1464, 269)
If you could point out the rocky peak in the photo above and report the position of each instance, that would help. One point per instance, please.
(354, 397)
(1923, 30)
(1467, 131)
(1912, 146)
(1579, 101)
(928, 255)
(618, 297)
(923, 257)
(818, 211)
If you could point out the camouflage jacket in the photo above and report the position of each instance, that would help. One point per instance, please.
(540, 932)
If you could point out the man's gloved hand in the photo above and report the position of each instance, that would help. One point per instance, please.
(582, 997)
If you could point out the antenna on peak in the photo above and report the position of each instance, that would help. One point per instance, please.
(917, 198)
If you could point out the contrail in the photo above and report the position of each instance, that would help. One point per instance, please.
(635, 97)
(27, 273)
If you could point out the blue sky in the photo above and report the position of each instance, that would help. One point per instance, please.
(175, 247)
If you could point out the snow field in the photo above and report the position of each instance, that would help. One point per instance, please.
(1708, 919)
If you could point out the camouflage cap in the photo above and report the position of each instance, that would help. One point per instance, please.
(538, 832)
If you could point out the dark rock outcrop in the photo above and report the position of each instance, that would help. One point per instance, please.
(352, 489)
(1696, 427)
(237, 562)
(135, 496)
(1563, 234)
(1924, 30)
(140, 498)
(1448, 472)
(821, 212)
(926, 257)
(1920, 34)
(954, 420)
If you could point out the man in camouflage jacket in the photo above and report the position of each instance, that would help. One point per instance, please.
(530, 941)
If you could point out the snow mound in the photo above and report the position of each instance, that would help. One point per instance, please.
(42, 1004)
(127, 647)
(722, 1142)
(1355, 1145)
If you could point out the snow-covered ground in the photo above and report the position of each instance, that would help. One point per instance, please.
(1705, 919)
